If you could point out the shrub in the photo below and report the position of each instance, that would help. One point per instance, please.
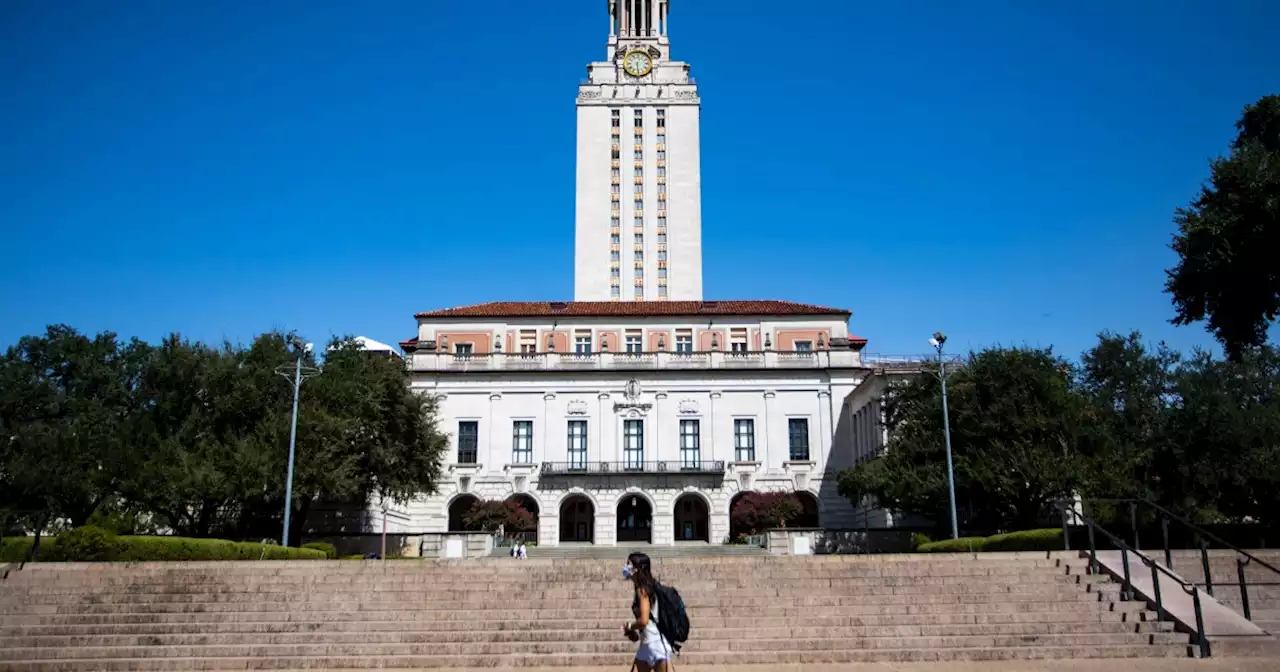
(86, 544)
(961, 545)
(149, 549)
(1026, 540)
(919, 539)
(758, 511)
(330, 551)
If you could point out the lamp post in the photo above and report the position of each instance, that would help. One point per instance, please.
(939, 339)
(299, 372)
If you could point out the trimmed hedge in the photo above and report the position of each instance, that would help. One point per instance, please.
(90, 544)
(1026, 540)
(330, 551)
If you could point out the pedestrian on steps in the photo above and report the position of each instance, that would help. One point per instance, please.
(654, 654)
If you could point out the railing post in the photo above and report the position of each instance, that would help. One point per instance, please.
(1093, 549)
(1203, 640)
(1244, 588)
(1155, 587)
(1204, 563)
(1126, 589)
(1066, 533)
(1133, 525)
(1164, 531)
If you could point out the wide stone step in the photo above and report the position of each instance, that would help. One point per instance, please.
(621, 661)
(207, 622)
(392, 632)
(1047, 590)
(618, 645)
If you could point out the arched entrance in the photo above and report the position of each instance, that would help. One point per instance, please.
(808, 511)
(693, 518)
(577, 519)
(529, 504)
(635, 520)
(737, 527)
(458, 510)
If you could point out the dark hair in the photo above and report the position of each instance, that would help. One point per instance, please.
(642, 574)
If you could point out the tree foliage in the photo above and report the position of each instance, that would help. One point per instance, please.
(1227, 271)
(1198, 435)
(509, 515)
(194, 438)
(758, 511)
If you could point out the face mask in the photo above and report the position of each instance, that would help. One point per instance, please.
(626, 571)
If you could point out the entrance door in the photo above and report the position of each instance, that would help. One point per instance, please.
(635, 520)
(577, 520)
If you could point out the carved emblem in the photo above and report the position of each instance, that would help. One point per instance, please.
(688, 406)
(632, 391)
(576, 407)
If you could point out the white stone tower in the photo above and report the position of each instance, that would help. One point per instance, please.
(638, 234)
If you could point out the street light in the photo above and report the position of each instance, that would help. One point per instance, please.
(939, 339)
(298, 372)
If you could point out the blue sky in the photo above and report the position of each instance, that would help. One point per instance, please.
(1005, 171)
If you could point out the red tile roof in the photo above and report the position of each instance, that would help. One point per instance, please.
(632, 309)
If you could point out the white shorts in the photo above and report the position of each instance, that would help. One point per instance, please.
(652, 654)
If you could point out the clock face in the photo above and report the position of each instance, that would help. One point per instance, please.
(637, 63)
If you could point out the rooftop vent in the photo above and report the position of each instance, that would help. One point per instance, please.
(710, 305)
(559, 305)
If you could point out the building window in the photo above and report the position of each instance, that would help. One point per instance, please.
(744, 440)
(737, 340)
(639, 291)
(662, 255)
(615, 272)
(582, 343)
(578, 444)
(662, 188)
(798, 431)
(615, 255)
(690, 444)
(803, 346)
(662, 239)
(633, 444)
(662, 155)
(617, 154)
(662, 291)
(463, 349)
(639, 154)
(662, 118)
(615, 291)
(639, 188)
(615, 238)
(522, 442)
(639, 238)
(634, 343)
(528, 341)
(662, 171)
(468, 441)
(684, 342)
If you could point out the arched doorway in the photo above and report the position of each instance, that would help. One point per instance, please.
(577, 519)
(528, 503)
(693, 518)
(737, 527)
(458, 510)
(635, 520)
(808, 511)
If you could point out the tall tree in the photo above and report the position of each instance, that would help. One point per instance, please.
(1016, 442)
(1227, 270)
(67, 403)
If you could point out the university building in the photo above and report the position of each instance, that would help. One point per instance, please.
(639, 411)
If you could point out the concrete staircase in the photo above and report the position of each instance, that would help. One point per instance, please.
(565, 613)
(694, 549)
(1264, 600)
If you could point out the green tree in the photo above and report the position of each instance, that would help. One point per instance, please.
(1127, 386)
(67, 403)
(1227, 271)
(1017, 443)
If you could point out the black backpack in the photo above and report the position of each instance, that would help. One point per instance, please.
(673, 622)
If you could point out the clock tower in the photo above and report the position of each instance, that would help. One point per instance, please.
(638, 219)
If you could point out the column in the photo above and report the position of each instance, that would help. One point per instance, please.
(713, 444)
(644, 18)
(545, 451)
(600, 422)
(824, 435)
(491, 452)
(768, 412)
(613, 16)
(663, 9)
(657, 427)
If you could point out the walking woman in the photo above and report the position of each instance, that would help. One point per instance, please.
(654, 653)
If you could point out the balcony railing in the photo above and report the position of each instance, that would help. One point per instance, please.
(426, 360)
(665, 467)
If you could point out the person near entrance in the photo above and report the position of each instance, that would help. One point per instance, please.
(654, 654)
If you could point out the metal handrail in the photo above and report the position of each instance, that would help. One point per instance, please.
(1127, 590)
(1166, 515)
